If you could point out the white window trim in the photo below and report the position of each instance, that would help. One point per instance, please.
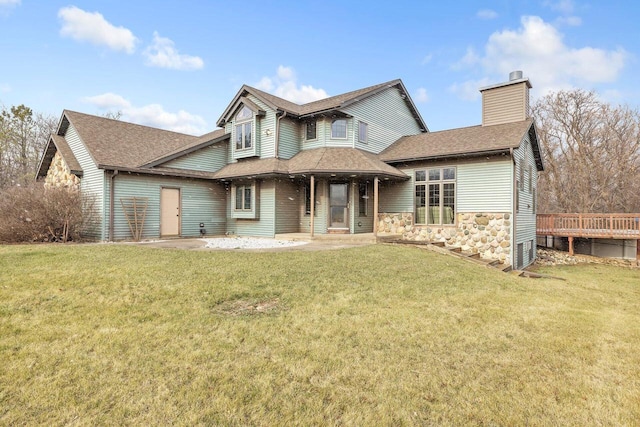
(441, 183)
(252, 212)
(241, 124)
(346, 129)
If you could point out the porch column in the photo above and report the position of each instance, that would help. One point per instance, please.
(375, 206)
(313, 202)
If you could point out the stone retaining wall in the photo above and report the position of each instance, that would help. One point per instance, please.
(59, 174)
(488, 234)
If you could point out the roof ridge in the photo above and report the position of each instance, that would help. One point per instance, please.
(128, 123)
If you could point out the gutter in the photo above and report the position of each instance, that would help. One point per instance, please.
(111, 201)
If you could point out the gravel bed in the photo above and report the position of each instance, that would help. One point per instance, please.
(250, 243)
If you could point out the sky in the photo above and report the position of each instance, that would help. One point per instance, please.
(177, 64)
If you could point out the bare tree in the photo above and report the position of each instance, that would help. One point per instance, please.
(591, 151)
(23, 136)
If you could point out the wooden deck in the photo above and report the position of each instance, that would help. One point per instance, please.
(592, 226)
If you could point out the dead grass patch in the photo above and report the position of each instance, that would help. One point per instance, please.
(243, 307)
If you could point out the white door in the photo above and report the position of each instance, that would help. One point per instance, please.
(170, 212)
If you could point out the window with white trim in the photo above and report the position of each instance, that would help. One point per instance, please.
(363, 132)
(435, 196)
(339, 129)
(243, 197)
(307, 198)
(244, 131)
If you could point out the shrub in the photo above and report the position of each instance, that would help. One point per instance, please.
(36, 214)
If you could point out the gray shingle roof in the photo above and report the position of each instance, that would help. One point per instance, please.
(117, 143)
(456, 142)
(322, 161)
(59, 144)
(316, 107)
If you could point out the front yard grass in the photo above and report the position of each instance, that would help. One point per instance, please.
(377, 335)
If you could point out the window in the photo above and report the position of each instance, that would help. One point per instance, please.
(534, 201)
(339, 129)
(363, 199)
(307, 198)
(311, 131)
(435, 196)
(244, 114)
(243, 136)
(362, 132)
(243, 198)
(243, 130)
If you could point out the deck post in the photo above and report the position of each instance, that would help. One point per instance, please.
(313, 203)
(638, 251)
(375, 206)
(571, 245)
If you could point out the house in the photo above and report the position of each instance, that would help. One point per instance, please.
(360, 162)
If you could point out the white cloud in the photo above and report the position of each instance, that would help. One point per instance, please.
(563, 6)
(92, 27)
(9, 3)
(487, 14)
(163, 54)
(538, 49)
(427, 59)
(469, 90)
(469, 59)
(149, 115)
(572, 21)
(285, 85)
(421, 95)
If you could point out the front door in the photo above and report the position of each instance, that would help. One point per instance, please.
(170, 212)
(339, 205)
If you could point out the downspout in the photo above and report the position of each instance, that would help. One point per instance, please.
(514, 208)
(111, 201)
(277, 143)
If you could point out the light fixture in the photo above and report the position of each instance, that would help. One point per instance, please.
(268, 132)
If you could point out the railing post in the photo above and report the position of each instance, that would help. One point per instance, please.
(580, 230)
(611, 225)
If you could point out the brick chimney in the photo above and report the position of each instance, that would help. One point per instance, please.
(506, 102)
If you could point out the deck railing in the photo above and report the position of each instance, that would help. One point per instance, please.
(605, 226)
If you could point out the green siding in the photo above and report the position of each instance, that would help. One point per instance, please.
(361, 224)
(329, 142)
(321, 217)
(287, 201)
(264, 226)
(265, 143)
(92, 182)
(321, 134)
(525, 226)
(388, 118)
(290, 133)
(484, 186)
(201, 201)
(208, 159)
(397, 196)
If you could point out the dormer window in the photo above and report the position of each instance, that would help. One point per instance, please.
(243, 130)
(339, 129)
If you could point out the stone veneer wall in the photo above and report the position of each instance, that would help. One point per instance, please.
(59, 174)
(488, 234)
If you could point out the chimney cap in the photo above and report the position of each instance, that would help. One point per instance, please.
(515, 75)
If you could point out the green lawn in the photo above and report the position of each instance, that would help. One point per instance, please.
(377, 335)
